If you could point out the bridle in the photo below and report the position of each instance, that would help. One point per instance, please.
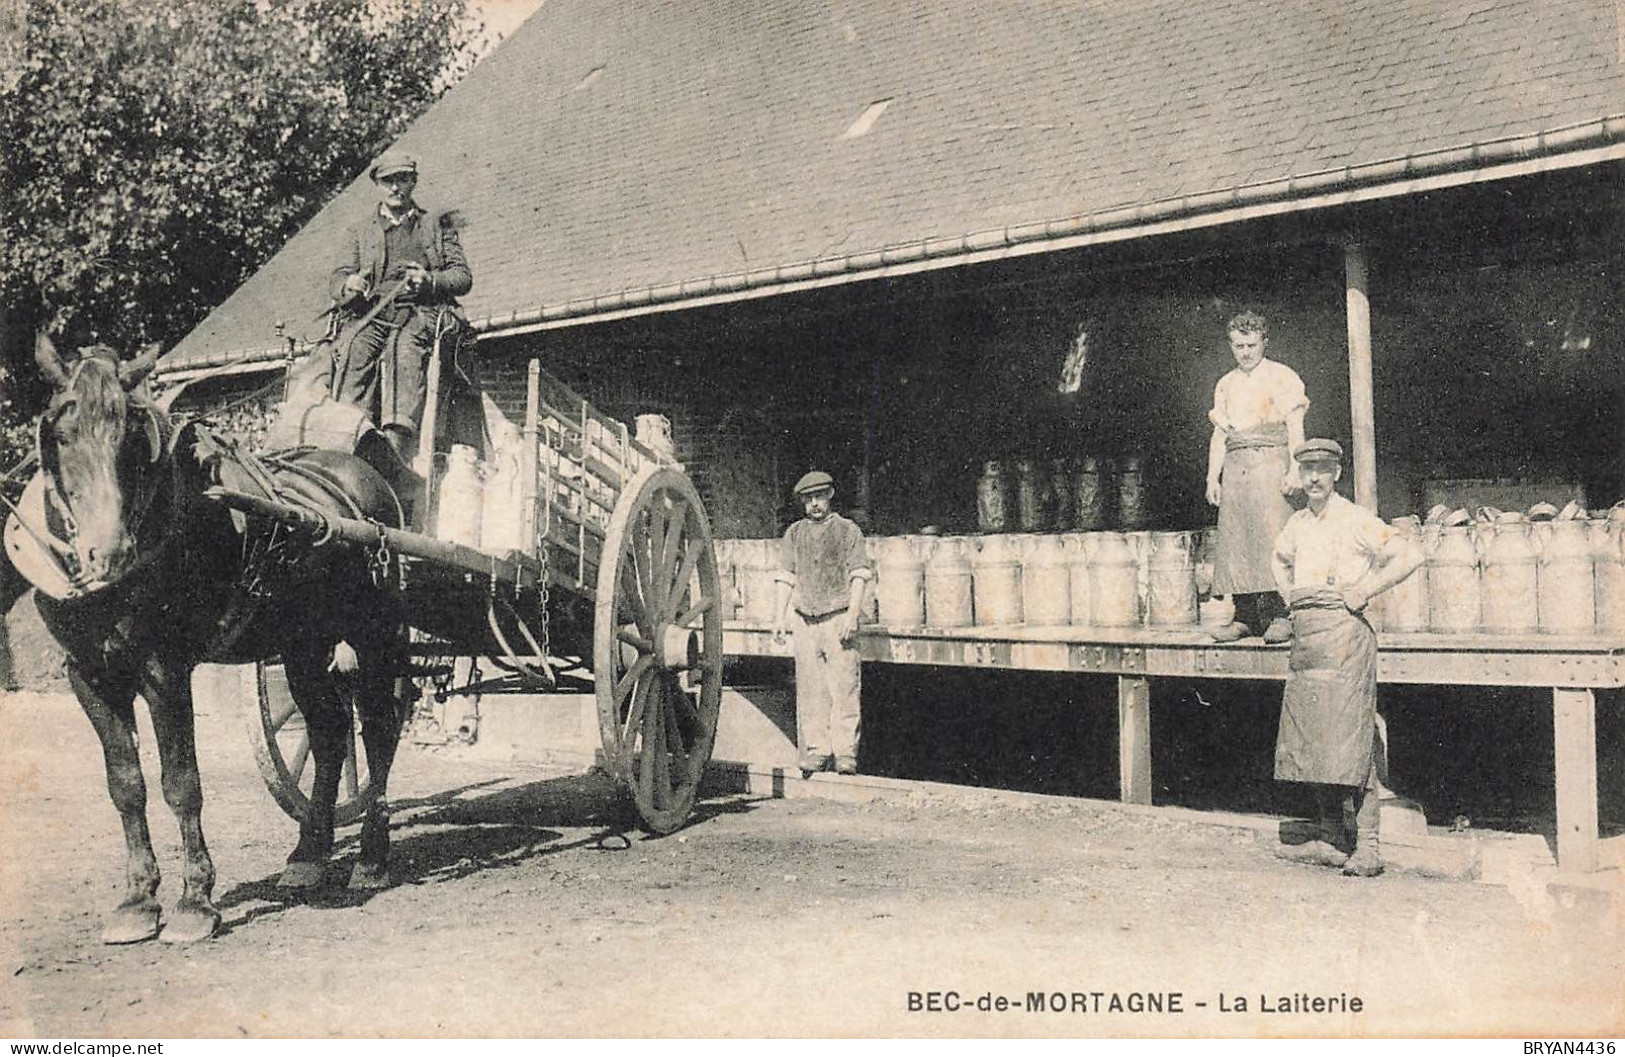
(140, 499)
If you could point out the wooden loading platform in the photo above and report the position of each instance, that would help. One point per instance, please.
(1572, 667)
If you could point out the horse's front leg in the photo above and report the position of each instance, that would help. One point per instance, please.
(380, 735)
(327, 725)
(168, 689)
(110, 706)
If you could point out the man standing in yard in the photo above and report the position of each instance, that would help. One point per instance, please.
(822, 578)
(1331, 559)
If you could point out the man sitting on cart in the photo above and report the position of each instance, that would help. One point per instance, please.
(394, 293)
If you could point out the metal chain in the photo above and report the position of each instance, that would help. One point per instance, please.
(380, 561)
(541, 607)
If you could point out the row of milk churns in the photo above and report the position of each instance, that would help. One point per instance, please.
(478, 502)
(1506, 573)
(1097, 579)
(1060, 495)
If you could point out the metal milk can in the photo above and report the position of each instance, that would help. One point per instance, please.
(1171, 580)
(1046, 589)
(1609, 539)
(461, 498)
(1030, 501)
(1078, 549)
(991, 515)
(1060, 495)
(995, 580)
(1403, 607)
(1568, 580)
(947, 583)
(1089, 497)
(900, 576)
(732, 599)
(755, 563)
(1454, 582)
(1510, 577)
(1131, 505)
(1114, 582)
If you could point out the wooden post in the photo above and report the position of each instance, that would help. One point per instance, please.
(530, 462)
(1574, 714)
(1362, 414)
(1134, 739)
(424, 462)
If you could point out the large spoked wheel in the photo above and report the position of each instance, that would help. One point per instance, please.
(657, 645)
(276, 733)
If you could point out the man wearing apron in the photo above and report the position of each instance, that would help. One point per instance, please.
(1330, 560)
(1257, 418)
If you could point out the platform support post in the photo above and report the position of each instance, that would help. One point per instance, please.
(1362, 414)
(1574, 715)
(531, 462)
(1134, 739)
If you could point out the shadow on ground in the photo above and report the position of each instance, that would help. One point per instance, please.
(461, 833)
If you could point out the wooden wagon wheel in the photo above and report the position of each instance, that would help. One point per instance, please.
(276, 733)
(657, 645)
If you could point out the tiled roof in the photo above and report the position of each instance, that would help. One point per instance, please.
(608, 147)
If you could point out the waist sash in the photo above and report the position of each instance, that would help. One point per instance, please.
(1269, 435)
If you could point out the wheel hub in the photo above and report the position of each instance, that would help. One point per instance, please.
(677, 648)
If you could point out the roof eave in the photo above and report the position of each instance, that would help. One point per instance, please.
(1567, 147)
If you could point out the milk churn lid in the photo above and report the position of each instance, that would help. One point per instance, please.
(816, 481)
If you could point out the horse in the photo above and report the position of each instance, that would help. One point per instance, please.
(153, 578)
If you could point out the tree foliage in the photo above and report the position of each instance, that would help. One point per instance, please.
(157, 153)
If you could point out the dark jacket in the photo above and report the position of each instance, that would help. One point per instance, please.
(449, 277)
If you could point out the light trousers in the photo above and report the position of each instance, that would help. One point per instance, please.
(829, 677)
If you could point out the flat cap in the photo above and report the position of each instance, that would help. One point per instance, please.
(391, 164)
(1319, 449)
(816, 481)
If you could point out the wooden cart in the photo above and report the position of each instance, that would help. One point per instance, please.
(614, 581)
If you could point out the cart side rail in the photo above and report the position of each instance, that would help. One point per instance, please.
(577, 461)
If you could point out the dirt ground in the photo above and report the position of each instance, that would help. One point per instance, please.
(522, 906)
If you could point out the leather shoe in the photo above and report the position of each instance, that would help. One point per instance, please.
(812, 763)
(1313, 853)
(1365, 862)
(1230, 632)
(846, 765)
(1279, 631)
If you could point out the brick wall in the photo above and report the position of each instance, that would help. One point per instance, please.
(728, 451)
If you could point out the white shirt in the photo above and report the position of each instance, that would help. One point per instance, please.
(1266, 394)
(1335, 549)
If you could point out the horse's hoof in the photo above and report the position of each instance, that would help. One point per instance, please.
(131, 925)
(367, 877)
(302, 875)
(189, 925)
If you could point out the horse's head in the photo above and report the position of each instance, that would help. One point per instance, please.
(100, 447)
